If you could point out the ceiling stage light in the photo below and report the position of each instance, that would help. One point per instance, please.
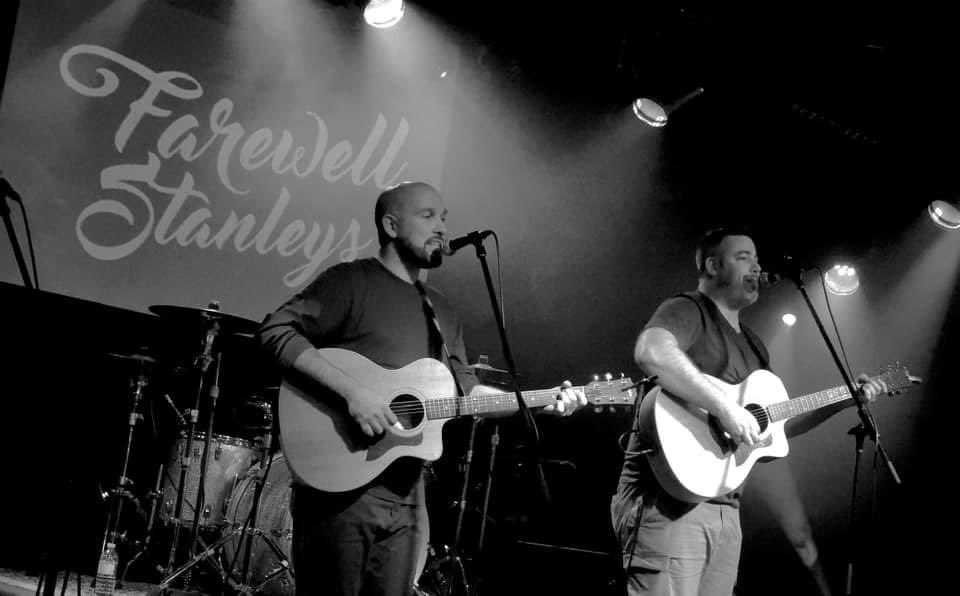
(383, 13)
(649, 112)
(653, 114)
(841, 280)
(945, 215)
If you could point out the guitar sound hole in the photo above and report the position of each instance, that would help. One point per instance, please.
(757, 412)
(408, 409)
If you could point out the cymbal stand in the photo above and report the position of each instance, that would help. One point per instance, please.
(204, 360)
(120, 492)
(198, 509)
(154, 497)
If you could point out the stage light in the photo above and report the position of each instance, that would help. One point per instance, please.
(945, 215)
(653, 114)
(649, 112)
(789, 319)
(383, 13)
(841, 280)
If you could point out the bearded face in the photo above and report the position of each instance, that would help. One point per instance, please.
(737, 273)
(420, 225)
(423, 255)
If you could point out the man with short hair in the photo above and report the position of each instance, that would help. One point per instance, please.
(672, 547)
(368, 540)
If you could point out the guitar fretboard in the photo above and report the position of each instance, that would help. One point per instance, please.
(451, 407)
(800, 405)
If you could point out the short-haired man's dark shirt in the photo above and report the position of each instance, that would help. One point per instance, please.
(716, 348)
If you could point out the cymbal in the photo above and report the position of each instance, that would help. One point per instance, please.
(137, 357)
(230, 323)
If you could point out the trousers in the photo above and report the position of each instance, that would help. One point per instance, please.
(366, 546)
(672, 549)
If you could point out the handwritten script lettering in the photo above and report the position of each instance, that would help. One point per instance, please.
(184, 213)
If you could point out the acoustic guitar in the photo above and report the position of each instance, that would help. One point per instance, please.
(326, 449)
(695, 460)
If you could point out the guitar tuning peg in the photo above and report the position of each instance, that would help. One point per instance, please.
(596, 377)
(608, 377)
(622, 375)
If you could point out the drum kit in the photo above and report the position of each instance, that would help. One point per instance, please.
(224, 499)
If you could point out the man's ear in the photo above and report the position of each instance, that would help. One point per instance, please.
(389, 223)
(710, 266)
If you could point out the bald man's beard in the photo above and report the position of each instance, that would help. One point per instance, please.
(421, 257)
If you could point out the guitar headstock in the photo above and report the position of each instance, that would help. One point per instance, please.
(608, 391)
(897, 378)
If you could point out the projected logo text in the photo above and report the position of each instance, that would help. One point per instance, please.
(186, 217)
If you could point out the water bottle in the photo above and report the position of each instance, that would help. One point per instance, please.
(106, 571)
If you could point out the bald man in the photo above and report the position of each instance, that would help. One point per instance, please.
(368, 540)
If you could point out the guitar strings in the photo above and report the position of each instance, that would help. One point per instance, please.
(467, 403)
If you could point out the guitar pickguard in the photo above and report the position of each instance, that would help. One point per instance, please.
(743, 452)
(389, 441)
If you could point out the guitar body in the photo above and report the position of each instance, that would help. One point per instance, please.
(694, 460)
(325, 447)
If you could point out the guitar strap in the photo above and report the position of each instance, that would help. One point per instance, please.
(761, 354)
(436, 335)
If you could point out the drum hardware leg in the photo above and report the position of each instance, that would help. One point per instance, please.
(250, 529)
(204, 555)
(226, 575)
(144, 546)
(242, 587)
(439, 577)
(283, 566)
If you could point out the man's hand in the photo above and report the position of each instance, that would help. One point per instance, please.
(739, 423)
(568, 400)
(871, 388)
(370, 411)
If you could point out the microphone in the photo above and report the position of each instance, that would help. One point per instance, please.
(7, 190)
(768, 279)
(475, 238)
(784, 268)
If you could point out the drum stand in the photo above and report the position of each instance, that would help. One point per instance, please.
(144, 546)
(120, 491)
(205, 359)
(447, 575)
(244, 544)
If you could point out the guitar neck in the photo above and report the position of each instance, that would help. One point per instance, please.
(451, 407)
(807, 403)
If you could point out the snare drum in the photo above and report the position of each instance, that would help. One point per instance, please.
(274, 519)
(228, 460)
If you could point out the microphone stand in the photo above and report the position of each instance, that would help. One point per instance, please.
(867, 426)
(17, 253)
(511, 367)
